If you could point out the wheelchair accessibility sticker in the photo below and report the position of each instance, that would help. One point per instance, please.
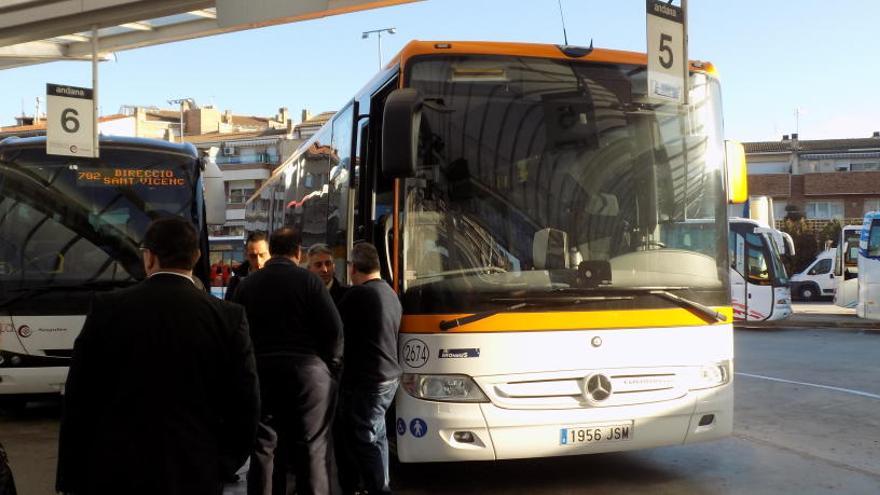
(401, 427)
(418, 428)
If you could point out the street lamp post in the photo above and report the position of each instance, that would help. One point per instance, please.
(378, 33)
(180, 101)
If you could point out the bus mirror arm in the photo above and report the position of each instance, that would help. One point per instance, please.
(212, 182)
(400, 132)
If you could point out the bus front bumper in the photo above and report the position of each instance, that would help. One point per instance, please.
(439, 432)
(27, 381)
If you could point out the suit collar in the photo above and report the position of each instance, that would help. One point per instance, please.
(170, 278)
(279, 261)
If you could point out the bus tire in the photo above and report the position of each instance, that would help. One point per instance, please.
(809, 292)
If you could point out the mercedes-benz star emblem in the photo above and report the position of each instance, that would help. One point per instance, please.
(598, 387)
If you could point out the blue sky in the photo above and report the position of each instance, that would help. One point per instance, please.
(773, 57)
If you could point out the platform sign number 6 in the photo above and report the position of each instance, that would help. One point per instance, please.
(70, 117)
(666, 52)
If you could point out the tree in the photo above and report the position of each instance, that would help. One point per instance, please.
(806, 244)
(831, 232)
(792, 212)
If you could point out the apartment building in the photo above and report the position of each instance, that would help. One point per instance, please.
(823, 179)
(248, 158)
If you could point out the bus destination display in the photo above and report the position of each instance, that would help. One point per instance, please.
(112, 176)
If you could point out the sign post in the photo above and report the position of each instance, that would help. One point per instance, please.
(70, 115)
(668, 67)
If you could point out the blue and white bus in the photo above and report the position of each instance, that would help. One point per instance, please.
(72, 226)
(869, 268)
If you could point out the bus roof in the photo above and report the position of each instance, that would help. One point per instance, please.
(416, 48)
(110, 141)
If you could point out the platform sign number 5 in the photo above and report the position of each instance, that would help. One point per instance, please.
(70, 117)
(667, 52)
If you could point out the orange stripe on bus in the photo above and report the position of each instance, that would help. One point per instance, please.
(574, 320)
(416, 48)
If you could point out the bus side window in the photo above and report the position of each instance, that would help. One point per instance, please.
(759, 272)
(736, 250)
(874, 239)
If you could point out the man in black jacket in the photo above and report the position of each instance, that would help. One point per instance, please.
(256, 249)
(162, 393)
(320, 262)
(297, 336)
(371, 315)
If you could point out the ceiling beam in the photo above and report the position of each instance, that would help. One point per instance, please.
(45, 19)
(34, 49)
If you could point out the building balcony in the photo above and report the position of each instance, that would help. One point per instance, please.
(260, 159)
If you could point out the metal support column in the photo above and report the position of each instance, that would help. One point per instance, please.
(95, 139)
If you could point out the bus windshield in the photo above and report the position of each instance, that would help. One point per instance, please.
(541, 177)
(68, 221)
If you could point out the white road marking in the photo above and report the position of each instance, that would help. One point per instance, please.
(815, 385)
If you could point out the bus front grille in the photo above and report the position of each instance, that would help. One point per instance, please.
(570, 390)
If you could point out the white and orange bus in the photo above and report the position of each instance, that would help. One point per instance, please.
(519, 195)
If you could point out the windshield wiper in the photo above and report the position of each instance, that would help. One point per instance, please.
(659, 291)
(96, 285)
(704, 310)
(532, 301)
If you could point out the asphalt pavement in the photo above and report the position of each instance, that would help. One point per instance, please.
(807, 421)
(818, 315)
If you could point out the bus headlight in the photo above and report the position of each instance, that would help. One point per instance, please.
(712, 375)
(445, 388)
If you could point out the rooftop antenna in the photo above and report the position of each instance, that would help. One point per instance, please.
(562, 16)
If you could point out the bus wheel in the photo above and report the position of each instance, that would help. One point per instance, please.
(809, 293)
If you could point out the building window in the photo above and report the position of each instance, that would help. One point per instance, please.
(779, 209)
(862, 167)
(238, 196)
(240, 191)
(824, 210)
(872, 205)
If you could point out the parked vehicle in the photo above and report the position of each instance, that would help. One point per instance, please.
(759, 287)
(817, 279)
(869, 268)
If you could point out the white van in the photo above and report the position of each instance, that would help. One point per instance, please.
(817, 279)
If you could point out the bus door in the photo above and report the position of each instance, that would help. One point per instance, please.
(751, 277)
(846, 293)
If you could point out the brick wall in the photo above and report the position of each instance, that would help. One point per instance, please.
(828, 184)
(775, 185)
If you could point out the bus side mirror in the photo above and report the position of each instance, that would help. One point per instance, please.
(215, 193)
(400, 132)
(737, 175)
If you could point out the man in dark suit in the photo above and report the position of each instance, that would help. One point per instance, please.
(320, 262)
(256, 249)
(162, 393)
(297, 336)
(371, 314)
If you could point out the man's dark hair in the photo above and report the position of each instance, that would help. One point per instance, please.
(285, 242)
(174, 241)
(365, 258)
(316, 249)
(256, 237)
